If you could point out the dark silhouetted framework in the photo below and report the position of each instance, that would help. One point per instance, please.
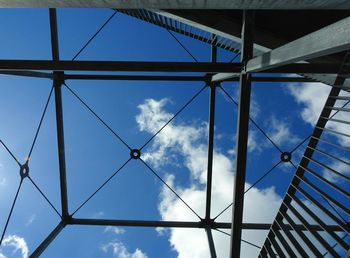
(299, 229)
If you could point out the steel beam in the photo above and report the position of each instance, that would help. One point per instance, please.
(211, 243)
(184, 224)
(135, 66)
(57, 83)
(33, 74)
(184, 4)
(133, 77)
(112, 77)
(54, 35)
(132, 66)
(212, 97)
(242, 135)
(177, 78)
(41, 248)
(140, 223)
(316, 44)
(233, 34)
(61, 147)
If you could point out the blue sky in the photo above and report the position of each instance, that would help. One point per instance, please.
(135, 110)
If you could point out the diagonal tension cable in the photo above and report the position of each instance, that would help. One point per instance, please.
(100, 187)
(10, 152)
(43, 195)
(254, 184)
(10, 214)
(93, 36)
(245, 241)
(234, 58)
(98, 117)
(40, 123)
(268, 172)
(169, 187)
(173, 117)
(256, 125)
(183, 46)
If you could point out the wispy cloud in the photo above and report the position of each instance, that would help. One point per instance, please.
(280, 132)
(98, 214)
(119, 250)
(17, 243)
(312, 96)
(3, 181)
(187, 141)
(341, 167)
(31, 219)
(114, 230)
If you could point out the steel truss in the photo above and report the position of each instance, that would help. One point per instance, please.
(290, 221)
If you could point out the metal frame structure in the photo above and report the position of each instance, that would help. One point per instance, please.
(290, 232)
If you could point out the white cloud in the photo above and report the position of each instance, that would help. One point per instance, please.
(254, 110)
(119, 250)
(31, 219)
(187, 141)
(280, 132)
(253, 142)
(17, 243)
(98, 214)
(337, 166)
(3, 181)
(114, 230)
(313, 97)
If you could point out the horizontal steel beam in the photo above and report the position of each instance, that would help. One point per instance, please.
(133, 77)
(183, 224)
(177, 78)
(222, 31)
(137, 66)
(118, 66)
(184, 4)
(33, 74)
(112, 77)
(328, 40)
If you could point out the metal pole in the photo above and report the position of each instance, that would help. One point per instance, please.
(185, 224)
(57, 83)
(211, 243)
(61, 148)
(210, 138)
(242, 135)
(144, 66)
(41, 248)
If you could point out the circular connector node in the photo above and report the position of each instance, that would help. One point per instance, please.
(286, 156)
(135, 154)
(24, 170)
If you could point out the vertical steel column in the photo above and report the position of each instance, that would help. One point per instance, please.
(210, 154)
(211, 137)
(57, 83)
(242, 135)
(61, 147)
(211, 242)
